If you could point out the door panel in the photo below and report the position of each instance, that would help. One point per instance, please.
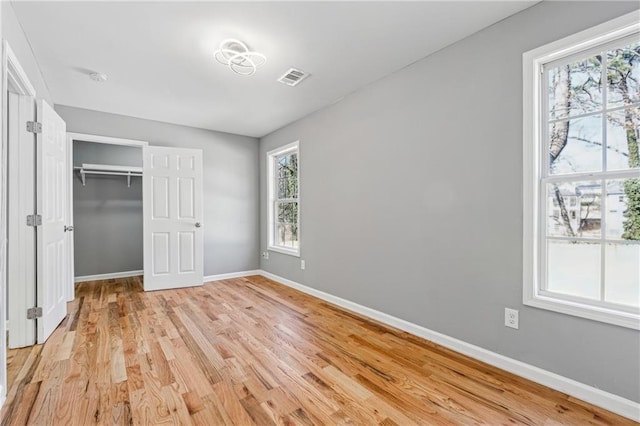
(51, 190)
(186, 162)
(160, 197)
(160, 161)
(185, 198)
(173, 235)
(161, 253)
(187, 251)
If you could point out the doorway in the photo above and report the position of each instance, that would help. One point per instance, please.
(37, 219)
(106, 208)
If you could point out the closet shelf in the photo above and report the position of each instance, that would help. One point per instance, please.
(107, 169)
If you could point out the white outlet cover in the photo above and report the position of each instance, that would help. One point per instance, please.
(511, 318)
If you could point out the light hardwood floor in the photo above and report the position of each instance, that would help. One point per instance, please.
(250, 351)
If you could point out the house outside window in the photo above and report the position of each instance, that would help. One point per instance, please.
(582, 174)
(284, 199)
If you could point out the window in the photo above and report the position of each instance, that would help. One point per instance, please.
(582, 174)
(284, 201)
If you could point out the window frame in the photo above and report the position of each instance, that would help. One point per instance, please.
(293, 147)
(534, 206)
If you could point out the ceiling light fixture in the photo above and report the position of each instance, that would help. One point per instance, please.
(98, 77)
(237, 56)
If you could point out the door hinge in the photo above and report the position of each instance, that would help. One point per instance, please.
(34, 220)
(34, 127)
(35, 312)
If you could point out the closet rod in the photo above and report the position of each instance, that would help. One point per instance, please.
(83, 174)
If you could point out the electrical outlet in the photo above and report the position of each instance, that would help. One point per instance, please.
(265, 255)
(302, 264)
(511, 318)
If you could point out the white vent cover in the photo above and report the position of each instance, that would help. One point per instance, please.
(293, 76)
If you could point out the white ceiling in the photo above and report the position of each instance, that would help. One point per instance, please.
(158, 55)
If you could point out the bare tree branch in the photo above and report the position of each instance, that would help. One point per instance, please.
(609, 147)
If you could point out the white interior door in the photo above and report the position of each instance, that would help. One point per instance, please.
(172, 211)
(51, 199)
(22, 238)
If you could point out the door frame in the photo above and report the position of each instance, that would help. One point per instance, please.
(12, 75)
(22, 296)
(71, 138)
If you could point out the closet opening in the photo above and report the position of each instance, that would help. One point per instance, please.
(106, 208)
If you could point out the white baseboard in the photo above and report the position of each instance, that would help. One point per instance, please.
(209, 278)
(598, 397)
(108, 276)
(136, 273)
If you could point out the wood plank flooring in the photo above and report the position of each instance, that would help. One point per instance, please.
(249, 351)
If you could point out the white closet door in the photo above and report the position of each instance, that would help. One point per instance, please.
(172, 211)
(51, 189)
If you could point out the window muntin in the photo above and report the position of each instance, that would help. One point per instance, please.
(584, 194)
(284, 220)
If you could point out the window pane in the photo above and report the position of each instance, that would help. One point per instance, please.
(623, 132)
(283, 165)
(287, 176)
(622, 274)
(287, 165)
(287, 212)
(573, 268)
(287, 188)
(623, 75)
(573, 209)
(575, 88)
(622, 216)
(287, 235)
(575, 145)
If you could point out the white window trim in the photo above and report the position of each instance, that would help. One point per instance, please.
(291, 147)
(532, 66)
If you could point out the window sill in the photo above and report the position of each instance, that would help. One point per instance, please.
(595, 313)
(294, 253)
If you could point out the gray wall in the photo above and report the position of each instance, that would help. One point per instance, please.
(107, 214)
(231, 240)
(12, 32)
(411, 201)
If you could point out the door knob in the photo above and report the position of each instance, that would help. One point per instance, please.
(198, 224)
(68, 228)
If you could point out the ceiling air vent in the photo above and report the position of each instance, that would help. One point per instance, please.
(293, 76)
